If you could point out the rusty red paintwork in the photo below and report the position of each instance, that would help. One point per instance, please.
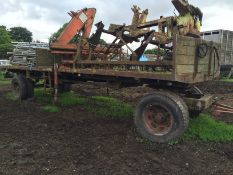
(158, 119)
(55, 82)
(219, 109)
(81, 21)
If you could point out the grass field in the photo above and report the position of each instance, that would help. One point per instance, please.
(203, 128)
(101, 106)
(229, 80)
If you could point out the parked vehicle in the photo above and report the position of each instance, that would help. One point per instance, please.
(161, 116)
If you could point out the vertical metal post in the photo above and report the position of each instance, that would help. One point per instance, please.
(158, 52)
(55, 81)
(50, 81)
(44, 78)
(79, 50)
(90, 53)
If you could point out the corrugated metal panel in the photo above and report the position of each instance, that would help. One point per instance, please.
(224, 41)
(222, 56)
(231, 57)
(230, 39)
(225, 38)
(228, 58)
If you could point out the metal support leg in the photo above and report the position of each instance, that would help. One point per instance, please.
(44, 78)
(55, 82)
(50, 80)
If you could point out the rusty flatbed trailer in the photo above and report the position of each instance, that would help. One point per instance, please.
(182, 60)
(161, 116)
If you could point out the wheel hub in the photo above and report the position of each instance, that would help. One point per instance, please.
(158, 120)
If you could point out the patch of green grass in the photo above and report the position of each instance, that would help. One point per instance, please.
(42, 96)
(51, 109)
(227, 80)
(102, 106)
(109, 107)
(46, 98)
(71, 99)
(1, 75)
(11, 96)
(205, 128)
(3, 81)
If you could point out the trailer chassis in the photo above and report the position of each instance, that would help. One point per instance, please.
(160, 116)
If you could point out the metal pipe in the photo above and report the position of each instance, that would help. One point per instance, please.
(219, 109)
(55, 82)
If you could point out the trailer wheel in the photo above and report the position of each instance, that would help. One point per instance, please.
(161, 117)
(19, 87)
(30, 88)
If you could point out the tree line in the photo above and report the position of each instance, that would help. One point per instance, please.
(14, 34)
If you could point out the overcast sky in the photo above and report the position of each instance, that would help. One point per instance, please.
(43, 17)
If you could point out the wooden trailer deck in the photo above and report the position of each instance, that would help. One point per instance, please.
(186, 65)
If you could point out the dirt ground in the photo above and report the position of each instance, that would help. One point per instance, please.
(77, 142)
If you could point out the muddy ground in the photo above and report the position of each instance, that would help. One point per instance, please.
(77, 142)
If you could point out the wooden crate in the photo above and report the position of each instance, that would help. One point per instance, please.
(44, 58)
(188, 66)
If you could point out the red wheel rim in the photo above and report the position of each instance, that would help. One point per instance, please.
(158, 119)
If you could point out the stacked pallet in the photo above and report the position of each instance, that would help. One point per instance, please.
(25, 53)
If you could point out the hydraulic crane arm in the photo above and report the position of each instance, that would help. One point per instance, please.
(81, 21)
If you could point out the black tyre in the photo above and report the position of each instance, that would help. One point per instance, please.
(161, 117)
(30, 88)
(19, 87)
